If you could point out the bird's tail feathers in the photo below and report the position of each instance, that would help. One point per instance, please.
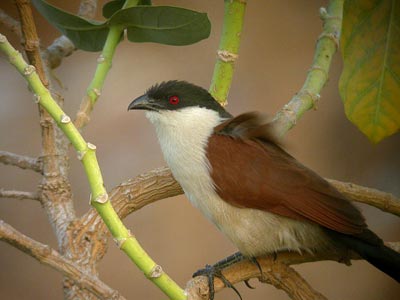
(371, 248)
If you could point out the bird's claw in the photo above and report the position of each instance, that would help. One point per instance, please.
(210, 272)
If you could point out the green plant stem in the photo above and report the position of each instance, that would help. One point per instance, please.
(104, 63)
(87, 154)
(228, 49)
(317, 76)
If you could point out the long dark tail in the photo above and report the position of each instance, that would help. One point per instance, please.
(370, 247)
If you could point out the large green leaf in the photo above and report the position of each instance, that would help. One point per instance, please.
(163, 24)
(88, 35)
(370, 81)
(158, 24)
(113, 6)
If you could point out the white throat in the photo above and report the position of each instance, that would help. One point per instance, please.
(183, 135)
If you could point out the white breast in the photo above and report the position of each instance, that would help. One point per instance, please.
(183, 136)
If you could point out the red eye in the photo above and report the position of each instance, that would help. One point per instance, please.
(174, 100)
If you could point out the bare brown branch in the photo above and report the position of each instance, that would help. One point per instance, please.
(382, 200)
(87, 9)
(19, 195)
(287, 279)
(30, 38)
(10, 23)
(143, 190)
(21, 161)
(54, 259)
(159, 184)
(136, 193)
(275, 272)
(55, 53)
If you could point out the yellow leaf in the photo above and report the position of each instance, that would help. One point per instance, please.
(370, 81)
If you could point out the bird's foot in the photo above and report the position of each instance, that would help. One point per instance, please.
(216, 271)
(211, 272)
(254, 261)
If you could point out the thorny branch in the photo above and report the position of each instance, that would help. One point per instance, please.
(21, 161)
(50, 257)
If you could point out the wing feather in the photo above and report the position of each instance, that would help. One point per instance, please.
(251, 170)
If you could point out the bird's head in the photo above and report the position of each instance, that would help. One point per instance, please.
(175, 96)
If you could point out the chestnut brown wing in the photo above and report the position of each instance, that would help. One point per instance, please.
(252, 173)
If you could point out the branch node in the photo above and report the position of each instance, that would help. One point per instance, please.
(119, 241)
(36, 98)
(97, 92)
(65, 119)
(322, 70)
(290, 114)
(91, 146)
(31, 45)
(332, 36)
(29, 70)
(155, 272)
(81, 154)
(3, 38)
(101, 59)
(227, 56)
(313, 96)
(101, 198)
(323, 13)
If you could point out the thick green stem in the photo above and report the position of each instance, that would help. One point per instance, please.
(228, 49)
(317, 76)
(104, 63)
(99, 197)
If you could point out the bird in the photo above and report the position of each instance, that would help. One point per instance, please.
(236, 172)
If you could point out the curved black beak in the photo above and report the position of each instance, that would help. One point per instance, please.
(142, 102)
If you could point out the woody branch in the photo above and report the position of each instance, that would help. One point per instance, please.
(52, 258)
(21, 161)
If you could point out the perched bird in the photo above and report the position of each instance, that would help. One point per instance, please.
(260, 197)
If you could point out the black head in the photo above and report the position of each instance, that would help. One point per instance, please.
(175, 95)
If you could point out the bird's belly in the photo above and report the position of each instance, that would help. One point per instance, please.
(256, 232)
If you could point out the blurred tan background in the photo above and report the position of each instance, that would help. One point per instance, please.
(276, 51)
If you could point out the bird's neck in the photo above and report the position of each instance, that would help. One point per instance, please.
(183, 137)
(183, 134)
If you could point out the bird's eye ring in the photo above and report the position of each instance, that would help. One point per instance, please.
(174, 100)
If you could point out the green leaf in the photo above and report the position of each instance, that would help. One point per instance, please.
(144, 2)
(163, 24)
(112, 7)
(370, 81)
(89, 35)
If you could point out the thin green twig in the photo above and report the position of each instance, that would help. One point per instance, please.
(104, 63)
(326, 47)
(228, 49)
